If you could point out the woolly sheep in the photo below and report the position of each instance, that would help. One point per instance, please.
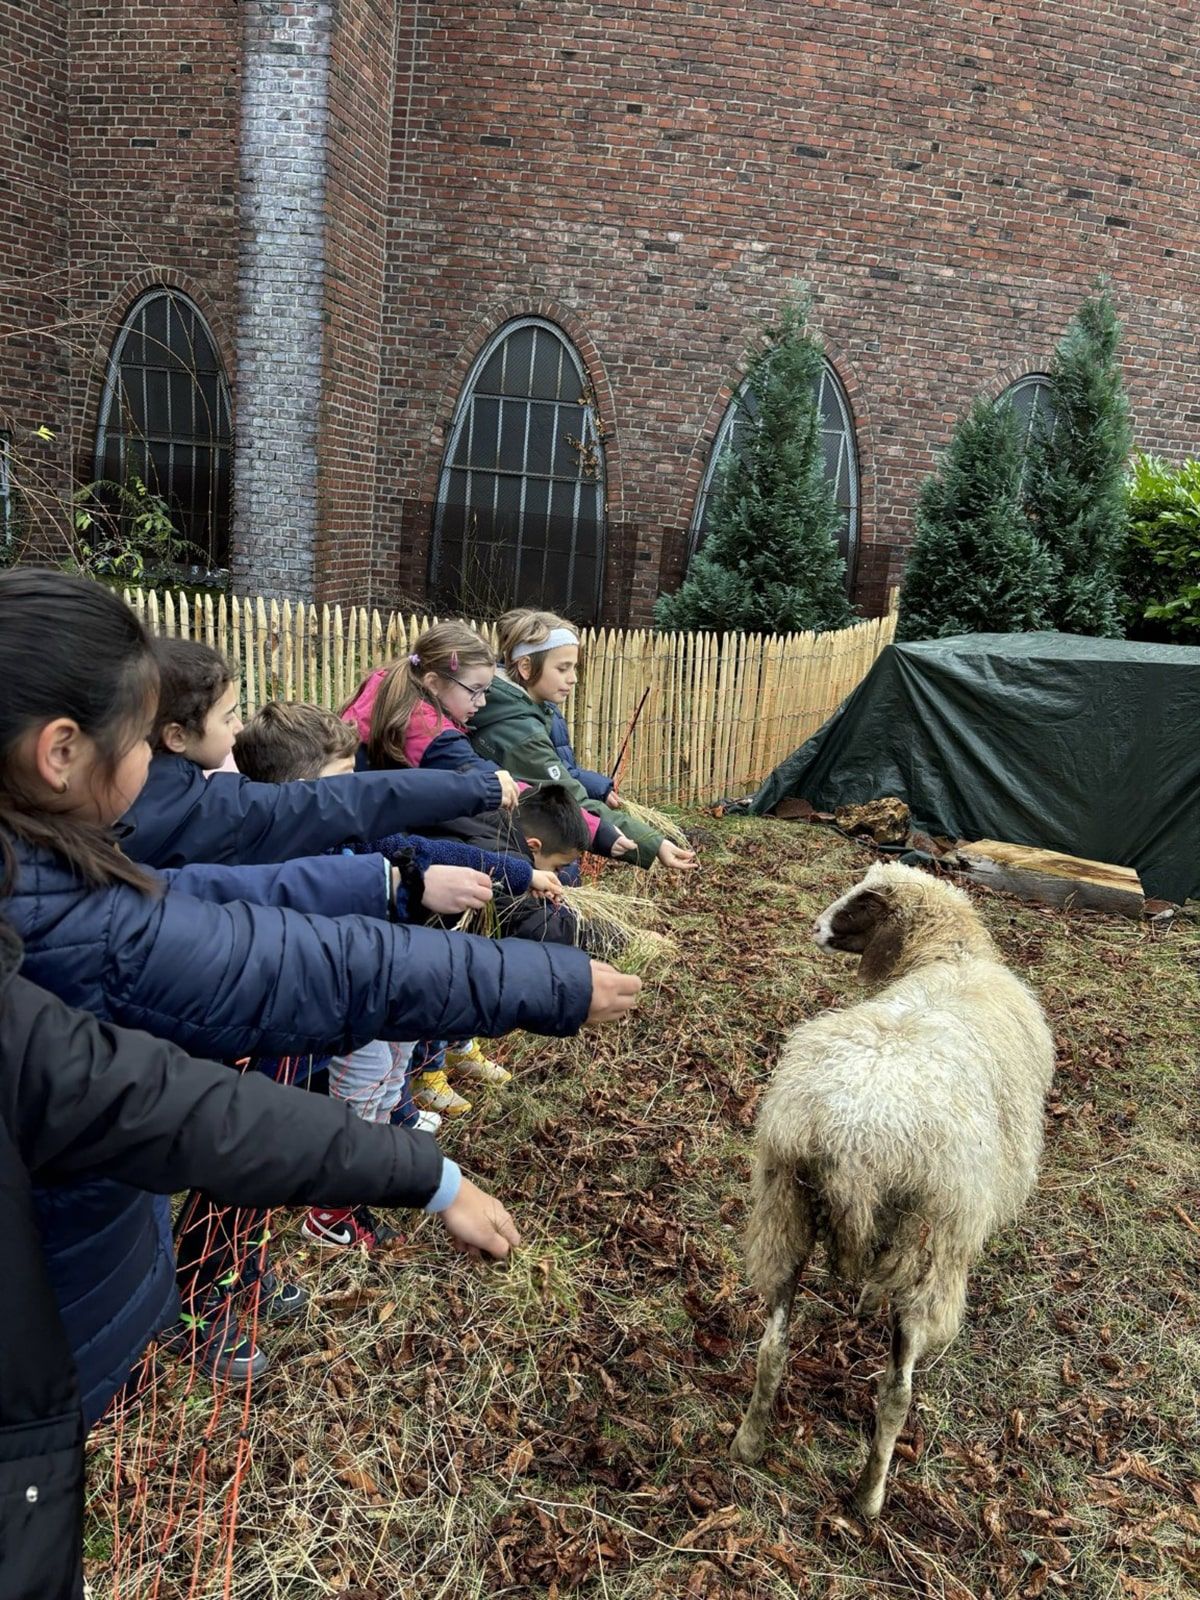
(899, 1133)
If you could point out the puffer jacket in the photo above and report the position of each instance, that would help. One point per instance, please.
(514, 730)
(181, 816)
(597, 785)
(224, 977)
(78, 1101)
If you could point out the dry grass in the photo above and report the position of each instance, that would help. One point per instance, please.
(435, 1430)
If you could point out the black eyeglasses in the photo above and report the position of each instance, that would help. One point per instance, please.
(477, 692)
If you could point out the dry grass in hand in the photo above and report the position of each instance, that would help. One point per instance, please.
(657, 821)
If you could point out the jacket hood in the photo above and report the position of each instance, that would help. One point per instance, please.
(508, 703)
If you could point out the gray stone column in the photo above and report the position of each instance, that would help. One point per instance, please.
(284, 153)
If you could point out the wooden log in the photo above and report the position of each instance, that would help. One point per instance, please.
(1054, 879)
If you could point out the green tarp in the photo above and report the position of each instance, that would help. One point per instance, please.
(1088, 746)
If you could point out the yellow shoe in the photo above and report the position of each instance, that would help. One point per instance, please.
(472, 1065)
(431, 1091)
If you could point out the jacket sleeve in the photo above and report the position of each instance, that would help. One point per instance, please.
(596, 785)
(509, 872)
(452, 751)
(97, 1101)
(646, 839)
(332, 886)
(240, 979)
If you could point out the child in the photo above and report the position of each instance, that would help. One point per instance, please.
(517, 724)
(228, 962)
(283, 743)
(180, 817)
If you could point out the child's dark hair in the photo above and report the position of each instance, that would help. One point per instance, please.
(192, 678)
(69, 648)
(551, 813)
(288, 740)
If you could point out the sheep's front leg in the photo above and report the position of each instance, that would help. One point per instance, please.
(750, 1439)
(894, 1398)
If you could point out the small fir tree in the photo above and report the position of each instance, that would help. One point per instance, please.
(771, 563)
(1075, 494)
(976, 566)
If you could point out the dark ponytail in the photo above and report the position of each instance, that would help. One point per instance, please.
(69, 648)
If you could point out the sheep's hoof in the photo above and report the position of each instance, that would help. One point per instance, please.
(746, 1448)
(868, 1499)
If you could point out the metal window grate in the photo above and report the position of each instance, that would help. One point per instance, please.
(165, 417)
(520, 509)
(841, 459)
(1032, 399)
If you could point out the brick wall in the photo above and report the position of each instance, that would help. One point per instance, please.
(153, 135)
(949, 182)
(361, 97)
(33, 254)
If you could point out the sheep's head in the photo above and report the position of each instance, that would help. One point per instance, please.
(897, 918)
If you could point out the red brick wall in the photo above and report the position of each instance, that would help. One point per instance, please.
(361, 89)
(154, 111)
(949, 183)
(33, 255)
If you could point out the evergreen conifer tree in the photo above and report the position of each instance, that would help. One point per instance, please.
(976, 566)
(1075, 492)
(771, 561)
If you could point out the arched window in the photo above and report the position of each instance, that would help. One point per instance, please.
(1032, 400)
(841, 458)
(520, 507)
(164, 418)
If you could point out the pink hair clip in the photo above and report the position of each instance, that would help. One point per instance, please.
(454, 661)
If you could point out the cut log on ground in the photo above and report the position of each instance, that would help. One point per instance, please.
(1054, 879)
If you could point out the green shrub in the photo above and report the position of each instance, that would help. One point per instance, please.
(771, 562)
(976, 566)
(1162, 552)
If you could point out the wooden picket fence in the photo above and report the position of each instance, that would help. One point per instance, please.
(720, 714)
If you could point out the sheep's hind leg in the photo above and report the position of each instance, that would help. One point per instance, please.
(750, 1439)
(909, 1340)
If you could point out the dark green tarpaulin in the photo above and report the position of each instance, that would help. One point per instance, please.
(1088, 746)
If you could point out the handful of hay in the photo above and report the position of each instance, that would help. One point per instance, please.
(657, 821)
(617, 927)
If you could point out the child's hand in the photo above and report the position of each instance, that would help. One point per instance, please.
(478, 1224)
(547, 886)
(624, 846)
(671, 855)
(449, 891)
(613, 993)
(509, 793)
(613, 800)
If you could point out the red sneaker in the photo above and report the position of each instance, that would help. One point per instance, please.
(346, 1227)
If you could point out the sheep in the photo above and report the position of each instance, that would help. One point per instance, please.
(899, 1133)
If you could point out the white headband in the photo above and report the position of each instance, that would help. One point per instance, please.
(553, 640)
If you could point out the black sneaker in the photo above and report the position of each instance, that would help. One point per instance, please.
(219, 1344)
(280, 1302)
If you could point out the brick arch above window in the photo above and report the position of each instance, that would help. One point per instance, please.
(164, 415)
(520, 514)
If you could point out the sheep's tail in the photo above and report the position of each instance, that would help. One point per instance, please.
(853, 1203)
(780, 1233)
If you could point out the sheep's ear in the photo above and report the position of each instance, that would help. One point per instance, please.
(852, 926)
(881, 951)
